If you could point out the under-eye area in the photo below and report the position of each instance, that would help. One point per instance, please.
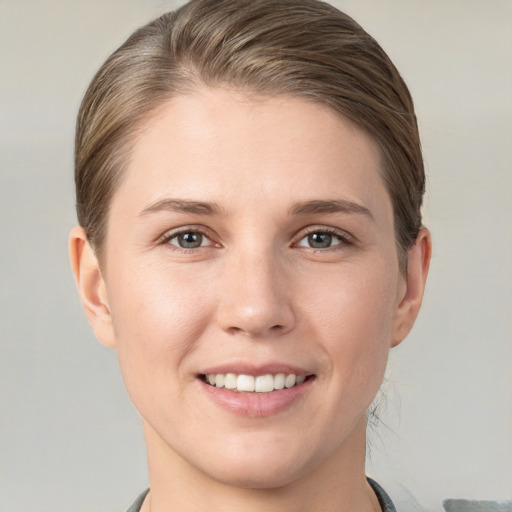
(255, 384)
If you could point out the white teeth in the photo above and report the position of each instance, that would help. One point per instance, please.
(264, 384)
(290, 380)
(230, 381)
(219, 380)
(279, 381)
(245, 383)
(260, 384)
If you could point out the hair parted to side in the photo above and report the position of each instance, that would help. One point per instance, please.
(303, 48)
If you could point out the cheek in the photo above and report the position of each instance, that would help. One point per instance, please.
(355, 302)
(158, 317)
(354, 318)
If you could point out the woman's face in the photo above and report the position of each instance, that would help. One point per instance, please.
(252, 237)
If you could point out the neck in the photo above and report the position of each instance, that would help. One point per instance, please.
(337, 484)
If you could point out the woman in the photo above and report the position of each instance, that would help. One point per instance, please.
(249, 182)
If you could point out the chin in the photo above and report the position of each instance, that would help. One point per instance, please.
(260, 476)
(264, 464)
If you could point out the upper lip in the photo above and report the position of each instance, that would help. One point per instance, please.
(246, 368)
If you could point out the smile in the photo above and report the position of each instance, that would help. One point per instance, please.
(256, 392)
(254, 384)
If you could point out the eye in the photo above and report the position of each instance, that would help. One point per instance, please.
(189, 240)
(322, 240)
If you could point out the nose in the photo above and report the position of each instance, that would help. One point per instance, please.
(256, 297)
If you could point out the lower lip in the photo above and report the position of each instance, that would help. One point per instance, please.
(256, 405)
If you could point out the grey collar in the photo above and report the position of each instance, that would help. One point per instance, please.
(384, 500)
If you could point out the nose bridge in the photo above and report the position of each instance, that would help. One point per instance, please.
(255, 300)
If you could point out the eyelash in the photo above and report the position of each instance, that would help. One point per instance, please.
(345, 239)
(167, 237)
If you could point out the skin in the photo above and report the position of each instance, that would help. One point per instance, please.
(254, 292)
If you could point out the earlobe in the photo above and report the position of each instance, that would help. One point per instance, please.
(91, 286)
(417, 269)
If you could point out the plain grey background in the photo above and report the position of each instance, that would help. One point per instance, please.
(69, 437)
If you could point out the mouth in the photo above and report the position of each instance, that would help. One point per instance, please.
(243, 383)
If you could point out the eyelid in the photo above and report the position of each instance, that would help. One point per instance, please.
(346, 238)
(173, 233)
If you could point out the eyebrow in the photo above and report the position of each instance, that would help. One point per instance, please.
(302, 208)
(319, 206)
(182, 206)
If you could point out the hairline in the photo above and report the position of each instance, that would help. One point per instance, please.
(191, 87)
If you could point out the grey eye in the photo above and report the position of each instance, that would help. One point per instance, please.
(189, 240)
(320, 240)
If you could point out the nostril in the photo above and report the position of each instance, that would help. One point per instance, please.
(256, 332)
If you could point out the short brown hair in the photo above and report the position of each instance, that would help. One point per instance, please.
(304, 48)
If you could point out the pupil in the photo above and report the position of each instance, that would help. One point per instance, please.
(190, 240)
(320, 240)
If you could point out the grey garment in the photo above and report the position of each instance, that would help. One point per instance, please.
(138, 502)
(459, 505)
(384, 500)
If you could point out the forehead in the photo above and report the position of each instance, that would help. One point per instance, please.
(233, 147)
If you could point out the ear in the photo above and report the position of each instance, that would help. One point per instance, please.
(418, 263)
(91, 286)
